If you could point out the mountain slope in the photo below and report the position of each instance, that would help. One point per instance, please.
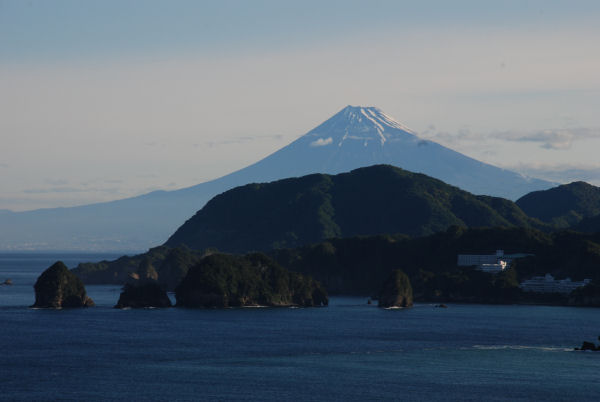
(365, 136)
(564, 205)
(588, 225)
(355, 137)
(366, 201)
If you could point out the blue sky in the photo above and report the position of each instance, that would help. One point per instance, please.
(109, 99)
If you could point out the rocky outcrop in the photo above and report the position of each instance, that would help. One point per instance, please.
(146, 270)
(222, 280)
(141, 295)
(589, 346)
(57, 287)
(396, 291)
(145, 273)
(176, 265)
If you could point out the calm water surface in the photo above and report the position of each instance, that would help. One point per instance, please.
(347, 351)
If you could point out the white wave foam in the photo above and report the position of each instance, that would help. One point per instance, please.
(521, 347)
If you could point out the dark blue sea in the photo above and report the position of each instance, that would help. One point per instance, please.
(349, 351)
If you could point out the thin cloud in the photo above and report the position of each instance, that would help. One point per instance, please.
(241, 140)
(57, 182)
(64, 190)
(321, 142)
(4, 165)
(462, 135)
(561, 173)
(558, 139)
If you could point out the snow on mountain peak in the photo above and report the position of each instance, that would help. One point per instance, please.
(358, 123)
(374, 114)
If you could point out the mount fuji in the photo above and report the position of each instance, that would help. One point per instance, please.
(354, 137)
(363, 136)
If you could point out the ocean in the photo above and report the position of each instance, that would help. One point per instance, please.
(349, 351)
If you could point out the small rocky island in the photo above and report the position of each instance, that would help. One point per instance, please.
(396, 291)
(143, 295)
(222, 280)
(589, 346)
(57, 287)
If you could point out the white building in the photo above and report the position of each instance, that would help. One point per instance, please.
(547, 284)
(492, 263)
(493, 268)
(468, 260)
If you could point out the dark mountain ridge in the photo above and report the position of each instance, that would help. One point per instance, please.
(563, 206)
(366, 201)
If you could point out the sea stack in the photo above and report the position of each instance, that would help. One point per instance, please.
(396, 291)
(57, 287)
(143, 295)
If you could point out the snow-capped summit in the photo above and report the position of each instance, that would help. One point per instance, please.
(359, 136)
(354, 137)
(368, 125)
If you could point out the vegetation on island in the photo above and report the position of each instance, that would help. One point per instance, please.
(359, 265)
(223, 280)
(57, 287)
(366, 201)
(163, 264)
(333, 228)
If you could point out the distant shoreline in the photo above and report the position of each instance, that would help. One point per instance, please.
(68, 252)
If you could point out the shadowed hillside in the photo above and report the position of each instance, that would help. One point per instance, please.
(366, 201)
(564, 205)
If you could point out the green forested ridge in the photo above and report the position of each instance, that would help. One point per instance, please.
(366, 201)
(359, 265)
(333, 228)
(563, 206)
